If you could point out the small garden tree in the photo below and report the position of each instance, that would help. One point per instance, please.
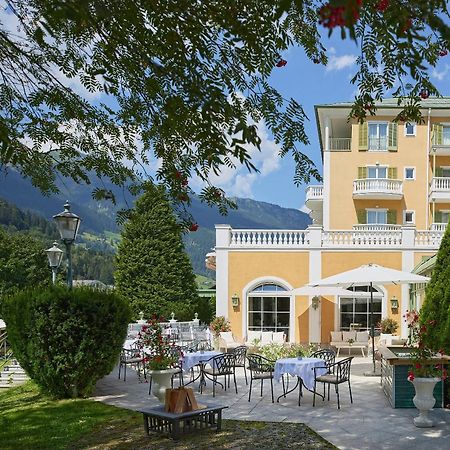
(436, 308)
(152, 270)
(66, 340)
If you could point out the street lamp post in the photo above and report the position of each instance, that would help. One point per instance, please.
(68, 224)
(54, 255)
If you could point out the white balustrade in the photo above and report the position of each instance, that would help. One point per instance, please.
(340, 144)
(377, 185)
(440, 184)
(431, 238)
(438, 227)
(358, 238)
(269, 238)
(314, 193)
(377, 227)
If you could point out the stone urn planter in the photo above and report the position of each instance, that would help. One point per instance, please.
(161, 380)
(424, 400)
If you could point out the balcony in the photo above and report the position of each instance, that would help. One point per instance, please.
(376, 227)
(440, 189)
(440, 147)
(314, 201)
(378, 189)
(438, 227)
(340, 144)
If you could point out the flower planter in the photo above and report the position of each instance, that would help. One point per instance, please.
(424, 400)
(161, 380)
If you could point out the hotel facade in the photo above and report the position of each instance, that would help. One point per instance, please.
(385, 199)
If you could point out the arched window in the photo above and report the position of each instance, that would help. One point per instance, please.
(269, 308)
(355, 312)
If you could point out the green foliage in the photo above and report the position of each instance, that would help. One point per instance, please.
(185, 76)
(23, 262)
(219, 325)
(436, 307)
(388, 326)
(66, 340)
(276, 351)
(152, 268)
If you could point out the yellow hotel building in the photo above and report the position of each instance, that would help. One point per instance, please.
(385, 199)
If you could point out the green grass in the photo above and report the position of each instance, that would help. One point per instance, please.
(31, 420)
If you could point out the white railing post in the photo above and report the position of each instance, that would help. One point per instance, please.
(315, 236)
(408, 236)
(223, 235)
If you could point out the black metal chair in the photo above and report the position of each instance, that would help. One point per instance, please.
(220, 365)
(328, 355)
(178, 353)
(131, 357)
(338, 373)
(241, 358)
(262, 369)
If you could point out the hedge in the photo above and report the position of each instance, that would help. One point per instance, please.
(65, 339)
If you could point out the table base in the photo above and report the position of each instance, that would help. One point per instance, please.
(300, 394)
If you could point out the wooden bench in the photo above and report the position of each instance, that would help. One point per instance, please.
(158, 420)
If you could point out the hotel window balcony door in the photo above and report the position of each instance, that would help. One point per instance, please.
(377, 172)
(378, 136)
(377, 216)
(269, 309)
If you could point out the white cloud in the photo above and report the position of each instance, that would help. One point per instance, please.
(441, 75)
(339, 62)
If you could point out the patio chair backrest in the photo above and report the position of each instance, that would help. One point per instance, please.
(342, 369)
(203, 345)
(240, 353)
(131, 353)
(328, 355)
(223, 364)
(259, 365)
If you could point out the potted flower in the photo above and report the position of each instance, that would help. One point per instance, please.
(424, 374)
(388, 327)
(219, 325)
(161, 359)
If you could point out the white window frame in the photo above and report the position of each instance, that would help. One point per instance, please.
(377, 122)
(385, 210)
(377, 167)
(406, 211)
(414, 129)
(414, 173)
(444, 211)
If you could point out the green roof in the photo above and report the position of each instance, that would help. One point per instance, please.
(425, 265)
(432, 102)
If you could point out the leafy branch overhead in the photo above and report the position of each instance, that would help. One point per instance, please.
(183, 86)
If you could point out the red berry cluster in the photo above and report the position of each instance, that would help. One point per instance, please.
(281, 63)
(443, 52)
(424, 93)
(193, 227)
(334, 16)
(382, 5)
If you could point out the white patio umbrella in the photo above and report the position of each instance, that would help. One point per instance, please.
(326, 290)
(368, 275)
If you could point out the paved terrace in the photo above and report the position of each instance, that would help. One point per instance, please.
(368, 423)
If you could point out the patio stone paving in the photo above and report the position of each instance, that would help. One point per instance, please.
(369, 423)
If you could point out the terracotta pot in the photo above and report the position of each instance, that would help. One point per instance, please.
(161, 380)
(424, 400)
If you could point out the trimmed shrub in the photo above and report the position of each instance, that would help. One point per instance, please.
(65, 339)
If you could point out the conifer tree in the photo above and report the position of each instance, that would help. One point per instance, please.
(435, 312)
(152, 269)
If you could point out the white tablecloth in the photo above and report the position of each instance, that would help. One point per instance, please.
(192, 359)
(302, 368)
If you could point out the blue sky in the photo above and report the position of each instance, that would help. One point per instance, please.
(309, 84)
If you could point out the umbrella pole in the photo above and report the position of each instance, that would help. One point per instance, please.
(372, 326)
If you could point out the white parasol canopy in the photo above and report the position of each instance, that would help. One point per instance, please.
(368, 275)
(327, 290)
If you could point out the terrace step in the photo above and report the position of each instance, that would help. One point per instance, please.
(12, 375)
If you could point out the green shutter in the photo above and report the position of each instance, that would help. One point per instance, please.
(362, 173)
(438, 134)
(361, 216)
(392, 216)
(392, 173)
(438, 172)
(363, 143)
(438, 217)
(392, 137)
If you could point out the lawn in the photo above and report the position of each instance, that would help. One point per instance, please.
(31, 420)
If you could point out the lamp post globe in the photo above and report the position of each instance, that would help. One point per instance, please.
(68, 224)
(54, 255)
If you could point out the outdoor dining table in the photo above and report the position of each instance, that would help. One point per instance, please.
(303, 369)
(192, 359)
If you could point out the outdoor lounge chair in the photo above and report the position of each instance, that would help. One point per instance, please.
(339, 373)
(228, 341)
(260, 369)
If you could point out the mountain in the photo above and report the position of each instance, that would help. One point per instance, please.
(100, 231)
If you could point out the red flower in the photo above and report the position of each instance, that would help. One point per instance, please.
(193, 227)
(410, 376)
(281, 63)
(418, 366)
(382, 5)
